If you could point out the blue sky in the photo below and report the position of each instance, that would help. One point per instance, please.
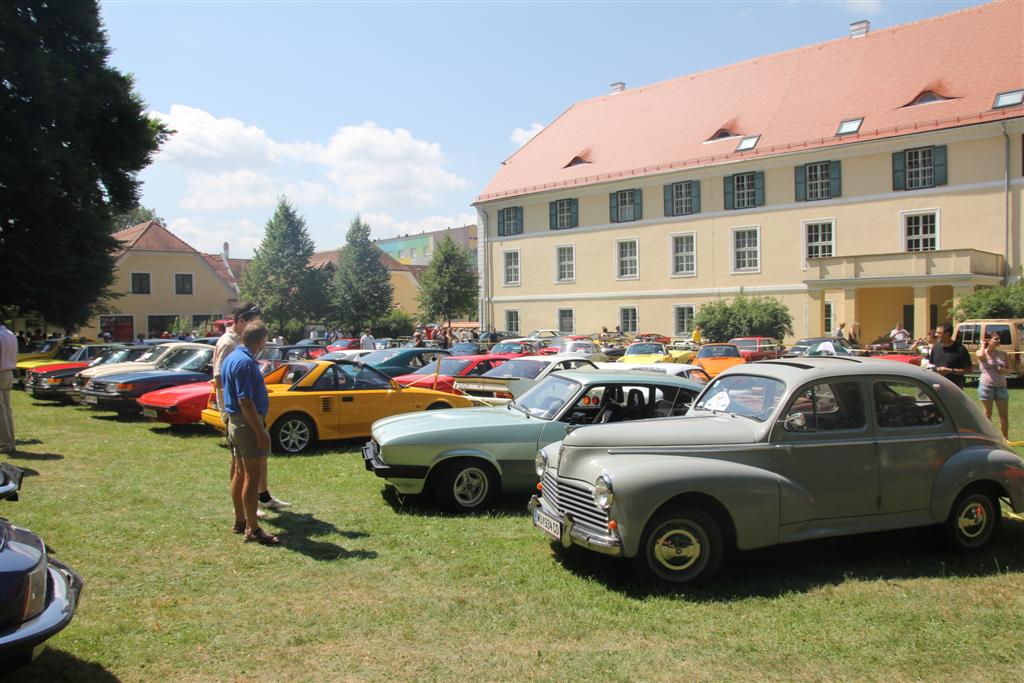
(401, 112)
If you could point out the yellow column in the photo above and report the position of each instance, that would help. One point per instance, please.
(816, 313)
(922, 306)
(849, 309)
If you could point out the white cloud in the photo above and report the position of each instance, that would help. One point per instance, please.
(243, 236)
(383, 225)
(202, 140)
(245, 188)
(863, 7)
(520, 136)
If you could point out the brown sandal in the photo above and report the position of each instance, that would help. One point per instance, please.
(238, 527)
(262, 537)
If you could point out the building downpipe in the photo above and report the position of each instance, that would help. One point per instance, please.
(484, 261)
(1008, 275)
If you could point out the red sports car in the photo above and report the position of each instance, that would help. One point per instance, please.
(343, 345)
(451, 367)
(178, 405)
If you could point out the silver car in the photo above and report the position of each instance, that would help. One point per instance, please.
(776, 452)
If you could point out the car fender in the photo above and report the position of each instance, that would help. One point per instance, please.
(750, 495)
(980, 462)
(450, 454)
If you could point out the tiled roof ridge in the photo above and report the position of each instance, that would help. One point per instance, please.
(872, 35)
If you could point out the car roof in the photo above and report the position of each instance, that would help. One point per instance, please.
(640, 377)
(553, 358)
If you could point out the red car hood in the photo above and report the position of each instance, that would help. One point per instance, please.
(425, 381)
(172, 396)
(59, 366)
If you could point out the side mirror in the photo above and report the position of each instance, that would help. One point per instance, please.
(795, 422)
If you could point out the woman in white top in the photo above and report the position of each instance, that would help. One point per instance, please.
(992, 382)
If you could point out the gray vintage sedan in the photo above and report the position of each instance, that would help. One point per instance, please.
(466, 456)
(776, 452)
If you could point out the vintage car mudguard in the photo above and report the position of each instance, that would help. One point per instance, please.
(970, 464)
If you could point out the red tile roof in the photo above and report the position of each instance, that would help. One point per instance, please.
(322, 258)
(151, 236)
(794, 100)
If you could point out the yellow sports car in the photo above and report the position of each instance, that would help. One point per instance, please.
(68, 353)
(314, 401)
(644, 353)
(683, 350)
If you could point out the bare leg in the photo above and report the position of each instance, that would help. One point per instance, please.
(263, 475)
(987, 405)
(237, 482)
(250, 490)
(1004, 419)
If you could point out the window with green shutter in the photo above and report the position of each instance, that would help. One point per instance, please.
(510, 221)
(914, 169)
(682, 198)
(563, 214)
(625, 206)
(817, 180)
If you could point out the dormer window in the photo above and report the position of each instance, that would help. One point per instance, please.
(1012, 98)
(849, 126)
(576, 161)
(749, 142)
(722, 134)
(927, 97)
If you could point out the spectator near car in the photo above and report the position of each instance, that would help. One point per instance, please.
(948, 356)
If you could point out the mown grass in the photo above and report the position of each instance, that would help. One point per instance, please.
(368, 586)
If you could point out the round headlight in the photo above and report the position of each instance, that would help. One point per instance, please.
(540, 463)
(603, 492)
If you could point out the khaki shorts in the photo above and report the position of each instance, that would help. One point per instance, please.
(242, 438)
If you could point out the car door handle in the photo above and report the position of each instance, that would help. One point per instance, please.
(347, 399)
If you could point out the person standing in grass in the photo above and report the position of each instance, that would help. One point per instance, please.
(992, 382)
(8, 359)
(246, 402)
(948, 356)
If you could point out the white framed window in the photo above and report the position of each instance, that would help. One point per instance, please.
(629, 319)
(744, 196)
(819, 185)
(627, 205)
(1008, 99)
(565, 263)
(683, 250)
(510, 270)
(566, 320)
(920, 168)
(920, 230)
(512, 320)
(830, 318)
(749, 142)
(682, 198)
(141, 283)
(819, 239)
(627, 259)
(746, 250)
(682, 316)
(183, 283)
(563, 214)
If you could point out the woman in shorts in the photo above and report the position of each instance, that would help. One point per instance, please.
(992, 383)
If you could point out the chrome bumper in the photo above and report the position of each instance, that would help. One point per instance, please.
(67, 587)
(604, 543)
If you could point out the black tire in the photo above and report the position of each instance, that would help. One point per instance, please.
(681, 546)
(440, 405)
(972, 522)
(466, 485)
(292, 434)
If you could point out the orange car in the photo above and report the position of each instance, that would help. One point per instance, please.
(716, 358)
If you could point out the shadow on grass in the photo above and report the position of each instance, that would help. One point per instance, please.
(298, 530)
(344, 447)
(508, 505)
(188, 431)
(57, 666)
(119, 417)
(28, 471)
(27, 442)
(28, 455)
(801, 567)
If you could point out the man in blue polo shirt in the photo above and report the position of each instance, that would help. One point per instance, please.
(246, 403)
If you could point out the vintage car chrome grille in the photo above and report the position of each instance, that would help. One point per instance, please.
(575, 500)
(96, 386)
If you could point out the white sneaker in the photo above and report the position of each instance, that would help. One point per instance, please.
(260, 514)
(275, 504)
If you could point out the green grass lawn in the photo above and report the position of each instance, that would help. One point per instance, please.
(369, 587)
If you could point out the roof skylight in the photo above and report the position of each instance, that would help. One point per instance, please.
(849, 126)
(748, 142)
(1008, 99)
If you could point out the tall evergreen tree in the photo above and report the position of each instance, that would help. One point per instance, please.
(73, 137)
(362, 284)
(279, 278)
(448, 287)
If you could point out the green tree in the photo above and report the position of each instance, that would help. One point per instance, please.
(363, 291)
(397, 323)
(744, 316)
(279, 278)
(993, 302)
(134, 216)
(448, 287)
(73, 137)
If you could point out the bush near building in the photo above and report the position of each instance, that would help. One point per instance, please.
(993, 302)
(744, 316)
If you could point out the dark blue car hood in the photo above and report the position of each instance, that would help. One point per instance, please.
(163, 376)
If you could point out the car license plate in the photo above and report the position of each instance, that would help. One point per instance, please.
(549, 525)
(91, 399)
(149, 412)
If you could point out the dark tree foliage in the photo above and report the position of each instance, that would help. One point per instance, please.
(279, 278)
(448, 288)
(73, 137)
(363, 291)
(993, 302)
(744, 316)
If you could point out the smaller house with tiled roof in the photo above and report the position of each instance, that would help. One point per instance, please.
(405, 279)
(165, 283)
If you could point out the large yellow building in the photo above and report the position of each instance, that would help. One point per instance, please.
(871, 179)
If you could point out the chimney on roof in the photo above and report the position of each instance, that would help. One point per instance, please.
(618, 86)
(859, 29)
(225, 251)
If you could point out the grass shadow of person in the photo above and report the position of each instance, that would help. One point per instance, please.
(27, 442)
(31, 455)
(57, 666)
(298, 530)
(801, 567)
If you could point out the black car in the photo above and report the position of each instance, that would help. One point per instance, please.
(38, 594)
(58, 385)
(118, 391)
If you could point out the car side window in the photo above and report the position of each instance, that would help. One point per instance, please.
(671, 401)
(479, 369)
(904, 404)
(327, 381)
(826, 407)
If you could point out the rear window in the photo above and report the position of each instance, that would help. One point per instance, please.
(518, 368)
(1002, 330)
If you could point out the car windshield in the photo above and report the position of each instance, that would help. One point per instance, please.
(113, 356)
(547, 398)
(518, 368)
(719, 351)
(449, 366)
(270, 353)
(581, 347)
(382, 356)
(464, 349)
(68, 352)
(644, 349)
(746, 344)
(507, 347)
(828, 347)
(746, 395)
(187, 359)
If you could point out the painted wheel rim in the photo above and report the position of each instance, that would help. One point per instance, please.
(973, 520)
(470, 487)
(678, 547)
(294, 436)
